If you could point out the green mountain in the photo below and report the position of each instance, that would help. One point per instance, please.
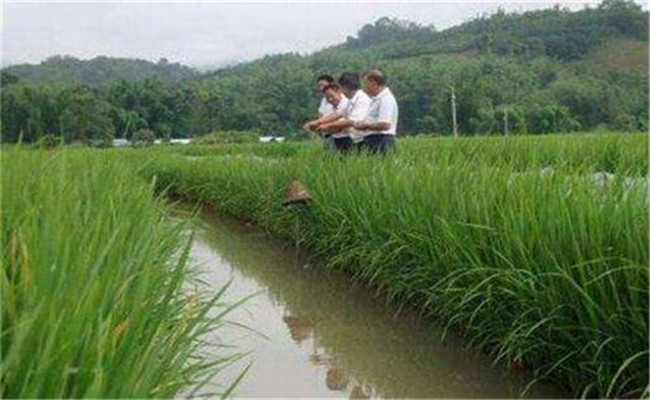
(97, 71)
(548, 70)
(539, 72)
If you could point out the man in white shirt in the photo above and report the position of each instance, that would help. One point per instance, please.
(324, 108)
(340, 123)
(380, 126)
(339, 103)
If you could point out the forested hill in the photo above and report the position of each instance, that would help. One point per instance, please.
(554, 32)
(550, 70)
(96, 71)
(543, 71)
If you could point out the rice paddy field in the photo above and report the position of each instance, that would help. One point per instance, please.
(533, 248)
(97, 299)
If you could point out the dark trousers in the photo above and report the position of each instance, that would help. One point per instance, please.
(343, 145)
(378, 144)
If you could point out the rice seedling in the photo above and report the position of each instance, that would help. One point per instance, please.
(512, 242)
(97, 297)
(614, 153)
(608, 152)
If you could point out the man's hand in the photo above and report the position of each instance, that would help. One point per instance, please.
(310, 126)
(335, 126)
(322, 128)
(317, 124)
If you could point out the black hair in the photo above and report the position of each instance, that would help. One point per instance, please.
(332, 86)
(350, 80)
(328, 78)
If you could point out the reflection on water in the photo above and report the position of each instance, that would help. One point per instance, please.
(299, 327)
(315, 333)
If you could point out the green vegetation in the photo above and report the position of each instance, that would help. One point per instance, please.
(524, 244)
(97, 298)
(625, 154)
(96, 71)
(225, 137)
(541, 71)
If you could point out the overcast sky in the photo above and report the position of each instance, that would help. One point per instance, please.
(204, 33)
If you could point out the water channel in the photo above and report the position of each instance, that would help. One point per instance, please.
(314, 332)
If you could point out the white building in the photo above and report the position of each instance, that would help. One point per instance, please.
(269, 139)
(180, 141)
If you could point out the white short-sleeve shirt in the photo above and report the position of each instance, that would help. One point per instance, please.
(356, 110)
(325, 107)
(339, 109)
(383, 108)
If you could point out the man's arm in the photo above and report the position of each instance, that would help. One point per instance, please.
(371, 126)
(335, 126)
(315, 124)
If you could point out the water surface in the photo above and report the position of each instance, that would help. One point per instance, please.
(316, 333)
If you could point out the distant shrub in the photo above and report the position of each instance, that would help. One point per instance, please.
(48, 142)
(143, 137)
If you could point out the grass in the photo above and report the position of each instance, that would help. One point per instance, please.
(97, 297)
(513, 241)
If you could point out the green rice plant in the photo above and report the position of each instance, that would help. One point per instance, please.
(227, 137)
(275, 150)
(97, 297)
(541, 268)
(618, 153)
(609, 152)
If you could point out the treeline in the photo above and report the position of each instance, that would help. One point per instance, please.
(96, 71)
(555, 32)
(116, 110)
(599, 83)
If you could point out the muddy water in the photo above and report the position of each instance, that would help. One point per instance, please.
(315, 333)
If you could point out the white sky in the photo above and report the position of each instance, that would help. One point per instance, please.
(202, 33)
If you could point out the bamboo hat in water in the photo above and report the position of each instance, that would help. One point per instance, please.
(336, 379)
(296, 194)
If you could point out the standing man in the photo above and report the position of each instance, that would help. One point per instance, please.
(324, 108)
(380, 126)
(332, 93)
(341, 123)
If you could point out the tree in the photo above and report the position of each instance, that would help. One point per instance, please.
(86, 118)
(8, 79)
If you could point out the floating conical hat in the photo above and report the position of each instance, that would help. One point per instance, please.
(336, 379)
(296, 194)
